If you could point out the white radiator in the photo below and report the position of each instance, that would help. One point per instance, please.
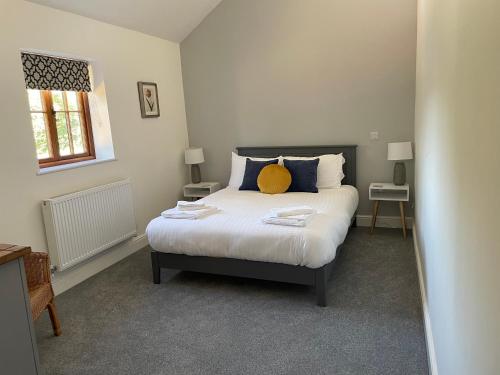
(82, 224)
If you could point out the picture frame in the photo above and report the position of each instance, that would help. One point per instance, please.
(148, 99)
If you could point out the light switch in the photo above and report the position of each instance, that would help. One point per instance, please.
(373, 136)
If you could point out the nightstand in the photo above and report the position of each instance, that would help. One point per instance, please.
(201, 190)
(384, 191)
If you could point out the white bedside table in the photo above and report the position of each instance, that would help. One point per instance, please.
(384, 191)
(200, 190)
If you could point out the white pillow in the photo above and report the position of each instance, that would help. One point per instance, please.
(238, 165)
(330, 173)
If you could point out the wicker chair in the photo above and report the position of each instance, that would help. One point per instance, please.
(40, 288)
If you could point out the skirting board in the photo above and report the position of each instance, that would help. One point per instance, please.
(67, 279)
(429, 338)
(383, 221)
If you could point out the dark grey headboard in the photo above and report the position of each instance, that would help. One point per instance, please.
(349, 153)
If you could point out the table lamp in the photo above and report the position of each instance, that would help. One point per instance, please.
(399, 151)
(194, 157)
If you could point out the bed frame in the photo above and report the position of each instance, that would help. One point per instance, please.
(264, 270)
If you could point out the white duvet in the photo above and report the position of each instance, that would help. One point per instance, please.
(237, 231)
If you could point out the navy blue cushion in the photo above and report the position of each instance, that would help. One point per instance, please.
(304, 175)
(252, 170)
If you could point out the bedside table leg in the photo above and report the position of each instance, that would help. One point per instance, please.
(403, 219)
(374, 216)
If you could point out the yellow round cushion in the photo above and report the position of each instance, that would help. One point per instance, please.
(274, 179)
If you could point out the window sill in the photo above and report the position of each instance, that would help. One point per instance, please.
(65, 167)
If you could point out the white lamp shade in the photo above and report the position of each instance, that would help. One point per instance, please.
(399, 151)
(194, 155)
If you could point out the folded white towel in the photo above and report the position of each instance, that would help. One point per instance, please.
(190, 206)
(175, 213)
(293, 221)
(293, 211)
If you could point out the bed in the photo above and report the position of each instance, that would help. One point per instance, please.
(235, 242)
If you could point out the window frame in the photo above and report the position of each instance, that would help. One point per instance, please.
(51, 129)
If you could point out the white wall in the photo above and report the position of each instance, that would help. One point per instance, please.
(149, 151)
(303, 72)
(457, 135)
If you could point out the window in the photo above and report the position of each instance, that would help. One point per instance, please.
(57, 93)
(61, 126)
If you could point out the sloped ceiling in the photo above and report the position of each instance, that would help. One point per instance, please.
(168, 19)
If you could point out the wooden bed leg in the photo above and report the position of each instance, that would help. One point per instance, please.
(155, 264)
(321, 281)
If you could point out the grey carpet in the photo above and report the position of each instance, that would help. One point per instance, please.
(119, 322)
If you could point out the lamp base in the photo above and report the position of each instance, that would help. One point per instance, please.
(399, 174)
(195, 174)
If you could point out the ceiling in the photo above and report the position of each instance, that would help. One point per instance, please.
(167, 19)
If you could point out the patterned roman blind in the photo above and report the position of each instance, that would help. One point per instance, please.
(54, 73)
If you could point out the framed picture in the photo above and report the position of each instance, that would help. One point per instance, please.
(148, 99)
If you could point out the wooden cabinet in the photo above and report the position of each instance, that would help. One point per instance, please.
(18, 351)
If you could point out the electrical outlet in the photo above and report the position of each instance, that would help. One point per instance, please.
(374, 136)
